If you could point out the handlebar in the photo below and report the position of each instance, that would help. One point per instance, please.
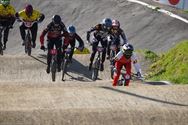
(28, 24)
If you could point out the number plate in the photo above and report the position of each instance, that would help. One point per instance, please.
(53, 51)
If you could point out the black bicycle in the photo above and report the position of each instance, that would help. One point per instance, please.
(65, 62)
(96, 64)
(28, 38)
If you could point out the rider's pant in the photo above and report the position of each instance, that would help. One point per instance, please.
(6, 30)
(33, 29)
(119, 66)
(94, 49)
(58, 44)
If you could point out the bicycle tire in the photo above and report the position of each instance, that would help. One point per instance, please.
(64, 68)
(112, 55)
(29, 51)
(112, 72)
(1, 50)
(28, 44)
(95, 70)
(53, 70)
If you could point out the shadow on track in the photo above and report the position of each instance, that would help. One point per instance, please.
(143, 97)
(78, 68)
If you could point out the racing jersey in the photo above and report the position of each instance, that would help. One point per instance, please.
(7, 11)
(100, 32)
(35, 16)
(121, 58)
(53, 31)
(117, 33)
(72, 39)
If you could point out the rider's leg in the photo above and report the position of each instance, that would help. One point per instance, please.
(49, 56)
(22, 33)
(34, 30)
(108, 50)
(128, 72)
(5, 38)
(58, 45)
(104, 45)
(117, 73)
(94, 50)
(72, 51)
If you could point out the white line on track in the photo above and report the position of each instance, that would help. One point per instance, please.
(160, 10)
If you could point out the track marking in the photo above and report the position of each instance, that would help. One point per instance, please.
(160, 10)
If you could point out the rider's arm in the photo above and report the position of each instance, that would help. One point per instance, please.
(136, 64)
(97, 27)
(79, 39)
(44, 32)
(118, 56)
(41, 18)
(123, 36)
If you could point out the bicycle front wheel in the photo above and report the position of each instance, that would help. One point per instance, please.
(1, 50)
(64, 69)
(95, 70)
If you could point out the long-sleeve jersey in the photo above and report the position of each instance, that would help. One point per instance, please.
(121, 58)
(117, 33)
(7, 10)
(72, 39)
(100, 32)
(53, 32)
(7, 14)
(36, 15)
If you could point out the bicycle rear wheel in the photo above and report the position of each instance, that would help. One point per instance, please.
(95, 70)
(53, 70)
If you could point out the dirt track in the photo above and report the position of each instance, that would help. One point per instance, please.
(27, 97)
(25, 100)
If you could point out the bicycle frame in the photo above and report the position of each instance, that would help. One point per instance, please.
(96, 64)
(65, 62)
(134, 77)
(28, 47)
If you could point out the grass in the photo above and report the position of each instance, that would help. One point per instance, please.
(148, 54)
(172, 66)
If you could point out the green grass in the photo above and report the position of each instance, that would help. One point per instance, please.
(148, 54)
(172, 66)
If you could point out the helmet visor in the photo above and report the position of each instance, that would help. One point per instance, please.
(128, 53)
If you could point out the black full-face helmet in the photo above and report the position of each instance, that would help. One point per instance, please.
(56, 19)
(127, 50)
